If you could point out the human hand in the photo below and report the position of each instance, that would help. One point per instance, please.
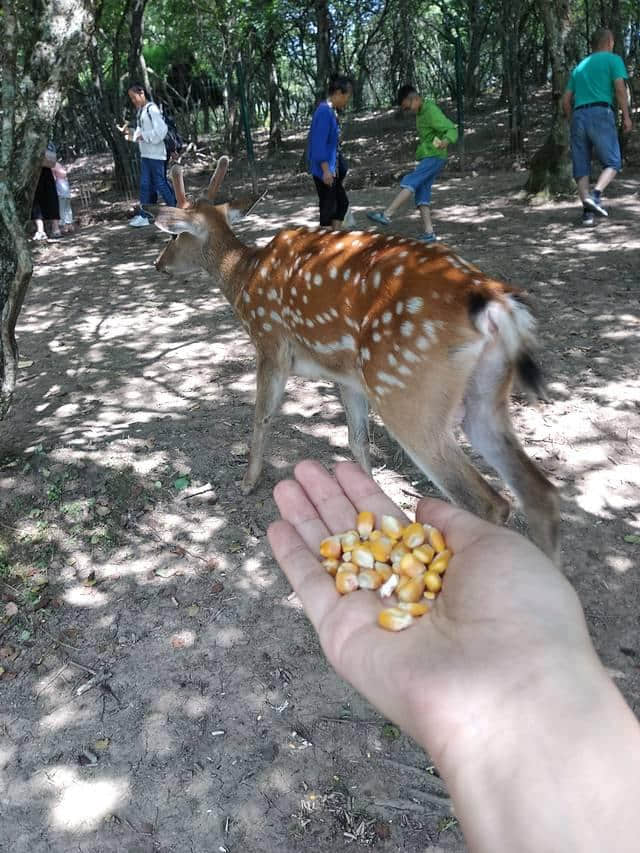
(439, 143)
(327, 178)
(627, 124)
(505, 621)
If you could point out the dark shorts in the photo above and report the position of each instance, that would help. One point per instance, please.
(593, 130)
(45, 201)
(334, 201)
(422, 178)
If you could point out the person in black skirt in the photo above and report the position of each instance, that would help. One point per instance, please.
(45, 201)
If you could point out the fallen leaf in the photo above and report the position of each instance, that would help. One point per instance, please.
(217, 588)
(25, 363)
(212, 563)
(164, 572)
(632, 538)
(11, 608)
(8, 653)
(90, 580)
(181, 483)
(193, 610)
(102, 743)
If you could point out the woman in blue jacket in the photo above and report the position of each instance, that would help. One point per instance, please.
(325, 162)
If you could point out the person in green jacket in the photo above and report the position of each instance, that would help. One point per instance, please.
(435, 132)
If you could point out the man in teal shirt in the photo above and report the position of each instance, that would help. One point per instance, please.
(435, 132)
(592, 91)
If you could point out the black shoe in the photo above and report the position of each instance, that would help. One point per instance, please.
(593, 203)
(588, 218)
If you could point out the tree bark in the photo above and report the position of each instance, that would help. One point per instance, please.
(37, 57)
(550, 170)
(323, 48)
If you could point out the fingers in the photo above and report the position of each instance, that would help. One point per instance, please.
(296, 508)
(312, 584)
(327, 496)
(364, 493)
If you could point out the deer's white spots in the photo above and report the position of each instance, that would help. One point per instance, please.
(386, 317)
(377, 337)
(264, 272)
(260, 310)
(267, 327)
(448, 298)
(253, 315)
(349, 321)
(272, 294)
(398, 270)
(377, 278)
(422, 343)
(246, 297)
(429, 330)
(260, 292)
(435, 294)
(399, 307)
(390, 379)
(393, 361)
(389, 239)
(406, 329)
(310, 323)
(320, 319)
(415, 304)
(339, 246)
(410, 356)
(356, 243)
(365, 353)
(317, 279)
(333, 272)
(305, 298)
(346, 274)
(476, 281)
(403, 254)
(327, 317)
(334, 313)
(276, 317)
(375, 323)
(307, 276)
(404, 370)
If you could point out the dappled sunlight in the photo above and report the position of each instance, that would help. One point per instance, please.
(82, 804)
(79, 596)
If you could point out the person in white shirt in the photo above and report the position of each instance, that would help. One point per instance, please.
(149, 134)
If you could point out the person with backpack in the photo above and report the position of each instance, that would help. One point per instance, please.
(150, 134)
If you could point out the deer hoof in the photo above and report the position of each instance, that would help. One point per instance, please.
(247, 487)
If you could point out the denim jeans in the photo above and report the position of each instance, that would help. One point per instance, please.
(153, 182)
(594, 129)
(422, 178)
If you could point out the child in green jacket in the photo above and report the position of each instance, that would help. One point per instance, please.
(435, 133)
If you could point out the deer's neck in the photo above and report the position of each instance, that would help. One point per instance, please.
(231, 266)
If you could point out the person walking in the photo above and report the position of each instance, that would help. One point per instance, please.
(435, 132)
(326, 164)
(45, 201)
(594, 87)
(149, 134)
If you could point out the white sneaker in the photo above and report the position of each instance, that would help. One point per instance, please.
(138, 221)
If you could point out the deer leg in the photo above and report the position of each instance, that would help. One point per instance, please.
(488, 427)
(271, 379)
(356, 408)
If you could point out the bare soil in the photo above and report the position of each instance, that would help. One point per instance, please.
(160, 689)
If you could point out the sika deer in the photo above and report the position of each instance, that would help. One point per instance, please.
(412, 330)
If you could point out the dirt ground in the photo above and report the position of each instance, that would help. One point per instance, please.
(161, 690)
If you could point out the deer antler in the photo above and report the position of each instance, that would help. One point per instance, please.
(218, 177)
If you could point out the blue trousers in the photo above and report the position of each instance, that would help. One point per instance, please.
(153, 182)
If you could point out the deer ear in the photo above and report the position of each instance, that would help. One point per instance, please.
(176, 221)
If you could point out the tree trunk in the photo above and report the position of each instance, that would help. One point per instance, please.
(275, 130)
(136, 65)
(550, 171)
(478, 23)
(38, 57)
(323, 48)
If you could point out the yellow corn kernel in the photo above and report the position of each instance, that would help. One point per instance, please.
(410, 589)
(383, 569)
(381, 548)
(389, 585)
(432, 582)
(349, 540)
(346, 582)
(415, 608)
(440, 563)
(413, 535)
(365, 523)
(397, 553)
(425, 553)
(375, 534)
(370, 579)
(394, 619)
(346, 566)
(410, 566)
(391, 526)
(429, 595)
(434, 537)
(331, 566)
(330, 547)
(362, 556)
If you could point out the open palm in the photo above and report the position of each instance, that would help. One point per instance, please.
(504, 616)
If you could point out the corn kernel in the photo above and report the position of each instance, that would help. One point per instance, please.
(389, 585)
(413, 535)
(425, 553)
(375, 534)
(362, 556)
(381, 548)
(365, 523)
(410, 566)
(394, 619)
(384, 569)
(435, 538)
(330, 547)
(397, 552)
(349, 540)
(441, 562)
(432, 582)
(410, 589)
(415, 608)
(346, 582)
(346, 566)
(369, 579)
(331, 566)
(391, 526)
(430, 596)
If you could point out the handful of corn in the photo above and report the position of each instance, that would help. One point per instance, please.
(405, 561)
